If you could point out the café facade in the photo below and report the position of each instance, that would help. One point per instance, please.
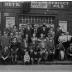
(52, 12)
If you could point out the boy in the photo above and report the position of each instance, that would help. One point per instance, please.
(26, 58)
(36, 57)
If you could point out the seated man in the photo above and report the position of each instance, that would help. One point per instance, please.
(65, 39)
(0, 49)
(69, 52)
(31, 53)
(14, 49)
(5, 55)
(20, 54)
(44, 56)
(36, 57)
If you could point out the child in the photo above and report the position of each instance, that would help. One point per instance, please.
(36, 57)
(31, 53)
(26, 58)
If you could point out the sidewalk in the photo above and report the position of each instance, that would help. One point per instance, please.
(60, 62)
(52, 63)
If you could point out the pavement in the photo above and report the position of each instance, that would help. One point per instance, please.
(35, 68)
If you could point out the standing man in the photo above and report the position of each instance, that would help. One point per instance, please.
(57, 34)
(5, 40)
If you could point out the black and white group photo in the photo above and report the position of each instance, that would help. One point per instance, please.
(36, 33)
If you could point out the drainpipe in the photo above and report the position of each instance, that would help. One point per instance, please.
(2, 19)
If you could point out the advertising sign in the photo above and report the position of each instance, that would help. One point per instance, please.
(58, 4)
(37, 4)
(10, 21)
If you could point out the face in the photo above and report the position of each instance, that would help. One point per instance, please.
(71, 46)
(44, 28)
(24, 40)
(46, 52)
(35, 52)
(11, 34)
(16, 33)
(5, 34)
(34, 35)
(51, 29)
(24, 50)
(20, 33)
(14, 40)
(26, 53)
(14, 27)
(67, 33)
(26, 35)
(31, 50)
(62, 34)
(6, 48)
(28, 27)
(42, 35)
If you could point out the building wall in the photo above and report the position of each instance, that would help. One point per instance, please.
(65, 15)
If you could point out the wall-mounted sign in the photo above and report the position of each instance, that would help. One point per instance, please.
(58, 4)
(40, 4)
(12, 4)
(37, 4)
(63, 25)
(10, 21)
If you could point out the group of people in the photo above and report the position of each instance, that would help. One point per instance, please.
(30, 45)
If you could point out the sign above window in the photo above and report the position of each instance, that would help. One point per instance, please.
(58, 4)
(40, 4)
(12, 4)
(37, 4)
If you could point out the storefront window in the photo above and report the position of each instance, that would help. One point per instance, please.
(36, 19)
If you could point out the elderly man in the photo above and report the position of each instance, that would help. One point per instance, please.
(5, 55)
